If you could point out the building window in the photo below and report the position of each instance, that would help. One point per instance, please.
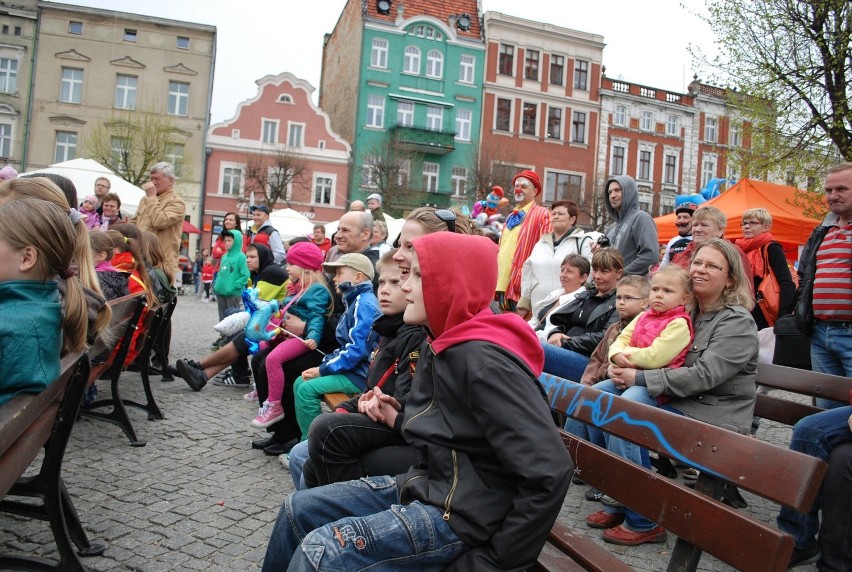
(645, 201)
(667, 203)
(323, 190)
(647, 121)
(379, 54)
(620, 116)
(403, 174)
(376, 111)
(430, 177)
(618, 155)
(467, 66)
(231, 181)
(8, 75)
(75, 27)
(66, 146)
(672, 125)
(557, 69)
(5, 28)
(370, 173)
(120, 147)
(670, 177)
(529, 119)
(411, 60)
(464, 119)
(562, 187)
(269, 131)
(708, 169)
(285, 98)
(503, 120)
(459, 181)
(581, 74)
(434, 118)
(5, 140)
(578, 127)
(531, 65)
(178, 98)
(174, 155)
(295, 134)
(644, 173)
(736, 136)
(554, 123)
(435, 64)
(125, 92)
(18, 30)
(182, 43)
(129, 35)
(405, 113)
(71, 86)
(710, 129)
(506, 60)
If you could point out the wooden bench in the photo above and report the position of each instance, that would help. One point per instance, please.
(118, 405)
(802, 382)
(334, 399)
(28, 423)
(701, 522)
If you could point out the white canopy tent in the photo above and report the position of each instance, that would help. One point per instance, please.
(84, 172)
(290, 223)
(394, 227)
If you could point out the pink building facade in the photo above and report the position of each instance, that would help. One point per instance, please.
(280, 124)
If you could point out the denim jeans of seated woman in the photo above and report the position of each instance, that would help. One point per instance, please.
(815, 435)
(831, 352)
(356, 525)
(624, 449)
(298, 456)
(564, 363)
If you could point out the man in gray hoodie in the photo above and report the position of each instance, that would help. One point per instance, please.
(633, 231)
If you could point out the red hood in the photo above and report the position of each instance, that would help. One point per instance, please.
(459, 279)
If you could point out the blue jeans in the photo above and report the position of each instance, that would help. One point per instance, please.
(356, 525)
(815, 435)
(564, 363)
(298, 456)
(831, 352)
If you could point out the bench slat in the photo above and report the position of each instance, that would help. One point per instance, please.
(584, 553)
(782, 410)
(805, 382)
(334, 399)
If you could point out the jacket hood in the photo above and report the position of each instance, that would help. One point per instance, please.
(457, 293)
(237, 246)
(267, 270)
(264, 256)
(630, 196)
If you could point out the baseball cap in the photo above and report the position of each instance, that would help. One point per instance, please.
(263, 208)
(355, 261)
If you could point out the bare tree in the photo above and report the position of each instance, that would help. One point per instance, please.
(387, 167)
(275, 175)
(131, 143)
(492, 163)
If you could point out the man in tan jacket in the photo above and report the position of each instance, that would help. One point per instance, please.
(161, 212)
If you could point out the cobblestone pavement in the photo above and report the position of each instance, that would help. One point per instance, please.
(197, 497)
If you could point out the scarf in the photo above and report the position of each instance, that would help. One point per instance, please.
(753, 248)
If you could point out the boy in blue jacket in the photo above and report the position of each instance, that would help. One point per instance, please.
(344, 370)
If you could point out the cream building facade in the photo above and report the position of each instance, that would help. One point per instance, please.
(18, 25)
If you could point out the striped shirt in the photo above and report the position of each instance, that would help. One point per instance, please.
(833, 280)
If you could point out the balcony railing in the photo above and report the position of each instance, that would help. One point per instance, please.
(424, 140)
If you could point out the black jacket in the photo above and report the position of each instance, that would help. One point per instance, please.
(113, 284)
(807, 273)
(494, 461)
(396, 358)
(598, 320)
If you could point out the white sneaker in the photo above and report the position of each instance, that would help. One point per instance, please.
(285, 460)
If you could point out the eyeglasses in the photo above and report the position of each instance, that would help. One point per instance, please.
(448, 216)
(627, 299)
(708, 267)
(751, 223)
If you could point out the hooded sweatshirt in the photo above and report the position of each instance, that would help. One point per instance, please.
(494, 462)
(233, 272)
(270, 279)
(633, 233)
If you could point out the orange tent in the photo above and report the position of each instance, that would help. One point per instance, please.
(789, 225)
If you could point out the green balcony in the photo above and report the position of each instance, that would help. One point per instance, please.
(424, 140)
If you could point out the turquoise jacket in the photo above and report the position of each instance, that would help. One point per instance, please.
(311, 307)
(30, 337)
(233, 273)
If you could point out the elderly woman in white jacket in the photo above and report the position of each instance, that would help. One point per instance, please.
(540, 273)
(572, 279)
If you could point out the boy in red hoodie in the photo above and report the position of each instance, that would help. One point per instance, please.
(491, 485)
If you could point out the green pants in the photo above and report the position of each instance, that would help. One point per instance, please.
(309, 394)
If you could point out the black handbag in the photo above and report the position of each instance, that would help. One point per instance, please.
(792, 347)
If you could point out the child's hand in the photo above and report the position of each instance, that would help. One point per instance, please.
(310, 344)
(310, 374)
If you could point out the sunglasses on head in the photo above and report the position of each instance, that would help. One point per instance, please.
(448, 216)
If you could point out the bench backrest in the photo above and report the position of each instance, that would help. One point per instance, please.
(801, 381)
(123, 310)
(772, 472)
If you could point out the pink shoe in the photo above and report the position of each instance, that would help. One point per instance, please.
(251, 395)
(270, 413)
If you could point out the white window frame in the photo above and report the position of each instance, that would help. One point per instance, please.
(558, 135)
(403, 175)
(405, 113)
(411, 60)
(375, 111)
(331, 179)
(6, 132)
(532, 64)
(182, 42)
(71, 85)
(464, 124)
(583, 139)
(379, 53)
(8, 75)
(431, 176)
(368, 168)
(640, 153)
(551, 185)
(459, 181)
(507, 50)
(296, 134)
(119, 146)
(735, 135)
(435, 64)
(618, 145)
(581, 75)
(646, 200)
(711, 130)
(68, 147)
(178, 102)
(229, 166)
(561, 69)
(709, 165)
(125, 91)
(174, 154)
(676, 158)
(434, 118)
(524, 105)
(667, 202)
(646, 121)
(672, 125)
(269, 131)
(497, 113)
(619, 116)
(467, 68)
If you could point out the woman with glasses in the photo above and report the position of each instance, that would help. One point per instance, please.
(716, 383)
(766, 257)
